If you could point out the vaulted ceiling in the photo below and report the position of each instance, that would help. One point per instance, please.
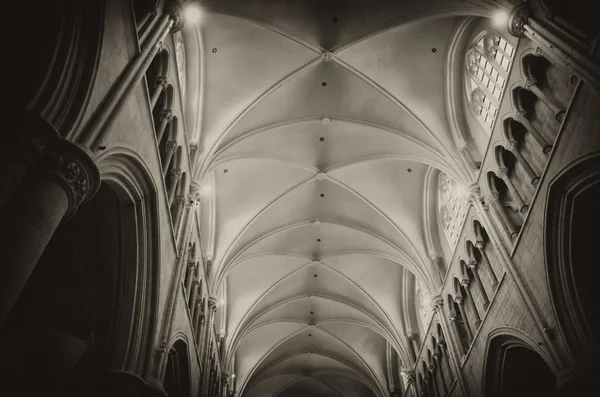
(319, 123)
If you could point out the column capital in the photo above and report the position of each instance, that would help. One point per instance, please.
(510, 145)
(442, 344)
(176, 173)
(175, 11)
(72, 165)
(517, 19)
(458, 300)
(410, 375)
(530, 82)
(465, 283)
(501, 172)
(520, 115)
(160, 81)
(472, 264)
(494, 196)
(480, 244)
(166, 115)
(171, 145)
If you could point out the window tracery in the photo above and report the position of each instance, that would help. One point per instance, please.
(452, 209)
(488, 62)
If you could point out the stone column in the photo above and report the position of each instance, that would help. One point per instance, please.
(510, 230)
(502, 173)
(170, 147)
(473, 266)
(192, 301)
(98, 127)
(166, 116)
(189, 277)
(565, 55)
(411, 347)
(512, 147)
(531, 85)
(62, 177)
(459, 301)
(174, 177)
(480, 245)
(160, 84)
(466, 285)
(441, 371)
(434, 380)
(521, 117)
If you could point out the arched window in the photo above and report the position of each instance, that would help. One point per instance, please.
(180, 61)
(487, 65)
(452, 207)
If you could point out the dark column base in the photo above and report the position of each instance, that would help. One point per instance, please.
(126, 384)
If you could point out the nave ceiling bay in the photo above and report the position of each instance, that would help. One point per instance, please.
(321, 125)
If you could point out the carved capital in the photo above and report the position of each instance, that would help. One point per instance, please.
(175, 11)
(458, 300)
(160, 81)
(465, 283)
(529, 83)
(431, 367)
(539, 52)
(196, 191)
(510, 145)
(480, 244)
(442, 344)
(66, 162)
(171, 145)
(410, 375)
(166, 115)
(501, 172)
(472, 265)
(175, 173)
(520, 115)
(517, 19)
(494, 196)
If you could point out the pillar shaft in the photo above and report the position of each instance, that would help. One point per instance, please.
(63, 177)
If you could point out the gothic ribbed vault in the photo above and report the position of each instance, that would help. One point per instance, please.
(318, 124)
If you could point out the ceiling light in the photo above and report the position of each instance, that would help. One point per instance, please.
(317, 223)
(325, 120)
(193, 14)
(500, 18)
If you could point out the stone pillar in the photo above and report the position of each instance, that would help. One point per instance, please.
(99, 125)
(189, 277)
(444, 385)
(62, 177)
(531, 85)
(473, 266)
(512, 147)
(502, 173)
(467, 286)
(521, 117)
(173, 177)
(160, 85)
(506, 224)
(411, 347)
(433, 379)
(198, 323)
(192, 301)
(480, 245)
(459, 301)
(170, 147)
(561, 53)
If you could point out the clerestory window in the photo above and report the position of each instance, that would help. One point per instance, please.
(487, 66)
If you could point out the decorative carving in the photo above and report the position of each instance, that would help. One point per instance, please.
(517, 19)
(529, 83)
(175, 173)
(442, 344)
(160, 81)
(472, 265)
(326, 56)
(520, 115)
(166, 115)
(458, 300)
(480, 244)
(465, 283)
(501, 172)
(171, 145)
(539, 52)
(175, 11)
(70, 164)
(437, 303)
(494, 196)
(510, 145)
